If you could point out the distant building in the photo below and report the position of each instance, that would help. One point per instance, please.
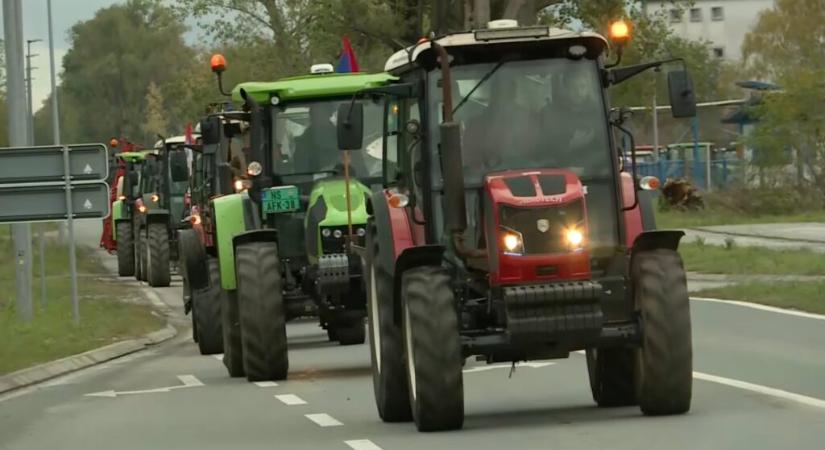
(722, 22)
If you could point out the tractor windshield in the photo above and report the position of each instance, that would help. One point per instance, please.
(527, 114)
(305, 140)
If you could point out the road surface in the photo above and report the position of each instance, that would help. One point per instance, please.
(758, 385)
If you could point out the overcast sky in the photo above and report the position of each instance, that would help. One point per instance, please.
(65, 13)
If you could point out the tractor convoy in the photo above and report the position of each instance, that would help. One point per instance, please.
(472, 201)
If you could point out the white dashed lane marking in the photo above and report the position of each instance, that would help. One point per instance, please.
(265, 384)
(290, 399)
(362, 444)
(324, 420)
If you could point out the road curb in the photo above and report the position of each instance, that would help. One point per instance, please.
(757, 236)
(43, 372)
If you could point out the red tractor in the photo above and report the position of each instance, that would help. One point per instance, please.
(508, 229)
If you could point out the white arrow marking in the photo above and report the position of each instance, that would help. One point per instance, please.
(88, 169)
(87, 204)
(187, 380)
(533, 365)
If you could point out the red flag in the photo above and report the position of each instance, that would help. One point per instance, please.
(347, 63)
(188, 139)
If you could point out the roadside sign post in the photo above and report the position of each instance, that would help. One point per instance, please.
(55, 183)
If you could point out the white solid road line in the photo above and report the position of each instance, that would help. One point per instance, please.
(362, 444)
(773, 309)
(266, 384)
(323, 419)
(290, 399)
(765, 390)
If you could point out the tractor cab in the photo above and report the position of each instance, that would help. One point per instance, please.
(510, 231)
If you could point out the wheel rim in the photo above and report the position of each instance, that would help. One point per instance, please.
(375, 319)
(410, 356)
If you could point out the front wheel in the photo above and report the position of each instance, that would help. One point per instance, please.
(351, 333)
(664, 362)
(158, 251)
(140, 255)
(231, 330)
(611, 376)
(125, 249)
(433, 348)
(206, 312)
(262, 311)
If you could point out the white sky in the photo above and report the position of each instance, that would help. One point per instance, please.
(65, 13)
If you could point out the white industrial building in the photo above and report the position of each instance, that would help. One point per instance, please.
(722, 22)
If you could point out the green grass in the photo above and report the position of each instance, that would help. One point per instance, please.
(679, 220)
(805, 296)
(110, 311)
(750, 260)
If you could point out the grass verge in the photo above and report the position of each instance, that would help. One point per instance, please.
(110, 311)
(680, 220)
(750, 260)
(803, 296)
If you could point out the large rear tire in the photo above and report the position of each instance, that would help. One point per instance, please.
(206, 310)
(141, 269)
(389, 377)
(262, 311)
(125, 249)
(158, 250)
(231, 330)
(433, 349)
(664, 362)
(351, 333)
(611, 376)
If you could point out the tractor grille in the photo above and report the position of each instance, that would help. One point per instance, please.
(526, 220)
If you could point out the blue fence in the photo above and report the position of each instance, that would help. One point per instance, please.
(723, 172)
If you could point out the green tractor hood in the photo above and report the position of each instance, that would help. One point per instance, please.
(328, 208)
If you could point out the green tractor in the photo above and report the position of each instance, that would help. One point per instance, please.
(284, 243)
(164, 181)
(198, 253)
(123, 211)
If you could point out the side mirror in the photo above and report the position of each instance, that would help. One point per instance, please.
(210, 130)
(350, 126)
(179, 166)
(680, 90)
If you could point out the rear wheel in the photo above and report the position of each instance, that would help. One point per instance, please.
(262, 311)
(125, 249)
(351, 333)
(664, 362)
(611, 376)
(206, 312)
(140, 272)
(389, 378)
(158, 251)
(433, 349)
(231, 330)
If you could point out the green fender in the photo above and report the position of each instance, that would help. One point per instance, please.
(229, 222)
(118, 214)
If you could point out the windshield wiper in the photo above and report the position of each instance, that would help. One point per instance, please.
(480, 82)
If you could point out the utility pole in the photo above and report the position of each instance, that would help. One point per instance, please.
(29, 78)
(61, 227)
(15, 94)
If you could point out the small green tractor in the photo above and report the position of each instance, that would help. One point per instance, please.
(124, 224)
(284, 241)
(163, 184)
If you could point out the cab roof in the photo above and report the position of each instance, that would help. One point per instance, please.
(134, 156)
(403, 57)
(311, 86)
(176, 140)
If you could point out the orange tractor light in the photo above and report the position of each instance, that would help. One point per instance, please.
(217, 63)
(619, 32)
(113, 143)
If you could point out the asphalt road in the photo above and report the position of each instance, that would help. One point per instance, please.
(760, 384)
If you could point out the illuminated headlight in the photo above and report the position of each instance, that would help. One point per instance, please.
(254, 168)
(155, 198)
(512, 242)
(274, 100)
(242, 185)
(122, 197)
(361, 232)
(337, 234)
(574, 238)
(326, 232)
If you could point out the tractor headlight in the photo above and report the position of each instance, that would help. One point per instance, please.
(512, 242)
(361, 232)
(337, 234)
(574, 238)
(155, 198)
(254, 168)
(326, 232)
(242, 185)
